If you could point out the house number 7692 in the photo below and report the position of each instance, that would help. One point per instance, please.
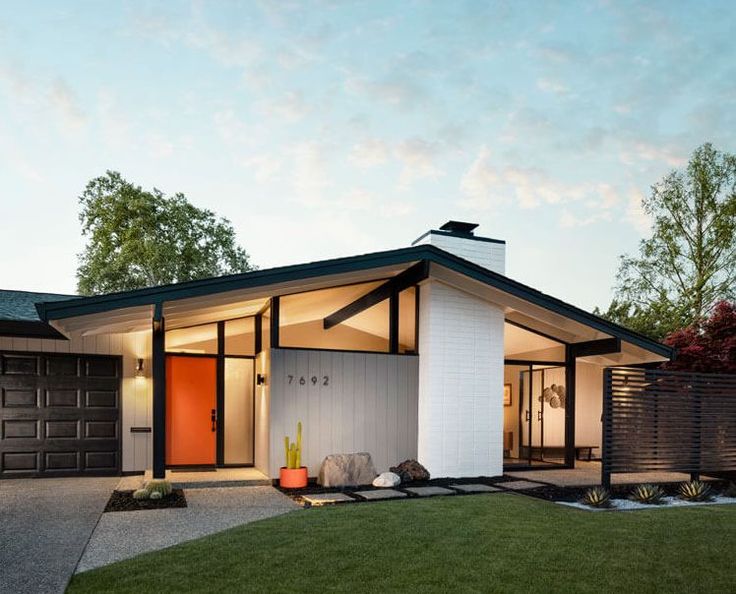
(314, 380)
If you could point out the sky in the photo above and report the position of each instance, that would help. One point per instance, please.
(326, 129)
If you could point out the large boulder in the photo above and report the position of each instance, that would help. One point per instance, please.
(387, 479)
(410, 470)
(347, 470)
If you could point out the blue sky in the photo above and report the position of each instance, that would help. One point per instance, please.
(334, 128)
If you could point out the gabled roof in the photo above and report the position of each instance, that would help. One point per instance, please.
(58, 310)
(19, 317)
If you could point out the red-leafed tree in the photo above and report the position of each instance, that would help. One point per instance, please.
(708, 346)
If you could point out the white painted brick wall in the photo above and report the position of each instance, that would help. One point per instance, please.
(460, 404)
(488, 254)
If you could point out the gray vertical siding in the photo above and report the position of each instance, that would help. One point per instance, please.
(369, 405)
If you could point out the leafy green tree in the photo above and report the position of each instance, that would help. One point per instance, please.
(689, 262)
(138, 238)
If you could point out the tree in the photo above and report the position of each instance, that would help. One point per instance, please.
(138, 238)
(709, 345)
(689, 262)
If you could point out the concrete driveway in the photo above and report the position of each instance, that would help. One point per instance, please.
(44, 527)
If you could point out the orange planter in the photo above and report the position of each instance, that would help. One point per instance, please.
(293, 478)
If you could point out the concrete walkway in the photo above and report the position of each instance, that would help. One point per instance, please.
(44, 527)
(588, 474)
(121, 535)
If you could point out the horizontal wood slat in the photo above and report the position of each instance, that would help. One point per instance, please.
(656, 420)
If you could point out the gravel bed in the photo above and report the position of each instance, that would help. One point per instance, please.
(121, 501)
(668, 502)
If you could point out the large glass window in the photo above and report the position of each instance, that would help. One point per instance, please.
(195, 339)
(408, 320)
(240, 337)
(302, 315)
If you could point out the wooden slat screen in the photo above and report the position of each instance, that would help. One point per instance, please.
(657, 420)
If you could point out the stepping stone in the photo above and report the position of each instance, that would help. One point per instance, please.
(382, 494)
(429, 491)
(475, 488)
(520, 485)
(325, 498)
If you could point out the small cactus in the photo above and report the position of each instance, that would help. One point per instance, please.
(141, 494)
(649, 494)
(597, 497)
(155, 495)
(294, 450)
(159, 486)
(695, 491)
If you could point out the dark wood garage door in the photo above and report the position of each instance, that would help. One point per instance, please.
(59, 414)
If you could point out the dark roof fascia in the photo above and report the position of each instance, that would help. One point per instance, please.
(259, 278)
(29, 329)
(458, 235)
(527, 293)
(89, 305)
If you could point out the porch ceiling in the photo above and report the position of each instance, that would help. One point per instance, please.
(213, 307)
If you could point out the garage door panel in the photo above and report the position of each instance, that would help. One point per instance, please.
(13, 364)
(60, 424)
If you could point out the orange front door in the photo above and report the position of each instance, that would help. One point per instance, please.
(191, 399)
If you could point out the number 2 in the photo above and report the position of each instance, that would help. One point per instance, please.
(325, 380)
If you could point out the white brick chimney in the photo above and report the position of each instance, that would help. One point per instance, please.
(459, 238)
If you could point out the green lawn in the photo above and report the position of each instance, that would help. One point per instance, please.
(482, 543)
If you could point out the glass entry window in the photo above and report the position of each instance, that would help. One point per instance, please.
(239, 408)
(534, 415)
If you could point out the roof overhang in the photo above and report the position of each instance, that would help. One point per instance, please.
(234, 296)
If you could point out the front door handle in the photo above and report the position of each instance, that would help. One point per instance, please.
(213, 418)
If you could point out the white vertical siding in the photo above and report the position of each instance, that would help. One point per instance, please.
(461, 359)
(136, 393)
(368, 405)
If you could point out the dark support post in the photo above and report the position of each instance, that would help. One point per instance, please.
(158, 374)
(605, 429)
(258, 329)
(570, 362)
(393, 323)
(275, 304)
(220, 383)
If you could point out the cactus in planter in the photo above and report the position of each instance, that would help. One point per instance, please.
(159, 486)
(140, 494)
(155, 495)
(294, 450)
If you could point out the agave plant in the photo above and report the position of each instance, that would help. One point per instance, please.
(695, 491)
(597, 497)
(649, 494)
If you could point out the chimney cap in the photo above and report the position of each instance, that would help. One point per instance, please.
(459, 227)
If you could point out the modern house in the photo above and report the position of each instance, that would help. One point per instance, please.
(426, 352)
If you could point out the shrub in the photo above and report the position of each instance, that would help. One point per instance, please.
(695, 491)
(140, 494)
(159, 486)
(649, 494)
(597, 497)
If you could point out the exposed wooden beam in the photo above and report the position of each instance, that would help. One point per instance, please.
(604, 346)
(405, 279)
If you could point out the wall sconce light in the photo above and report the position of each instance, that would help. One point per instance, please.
(139, 368)
(260, 379)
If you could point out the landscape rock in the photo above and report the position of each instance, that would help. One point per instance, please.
(345, 470)
(387, 479)
(410, 470)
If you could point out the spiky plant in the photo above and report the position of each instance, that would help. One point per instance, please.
(140, 494)
(597, 497)
(155, 495)
(159, 486)
(649, 494)
(695, 491)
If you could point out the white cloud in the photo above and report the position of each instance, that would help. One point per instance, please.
(636, 215)
(263, 167)
(357, 199)
(311, 177)
(397, 91)
(64, 101)
(369, 153)
(291, 107)
(418, 158)
(549, 85)
(641, 150)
